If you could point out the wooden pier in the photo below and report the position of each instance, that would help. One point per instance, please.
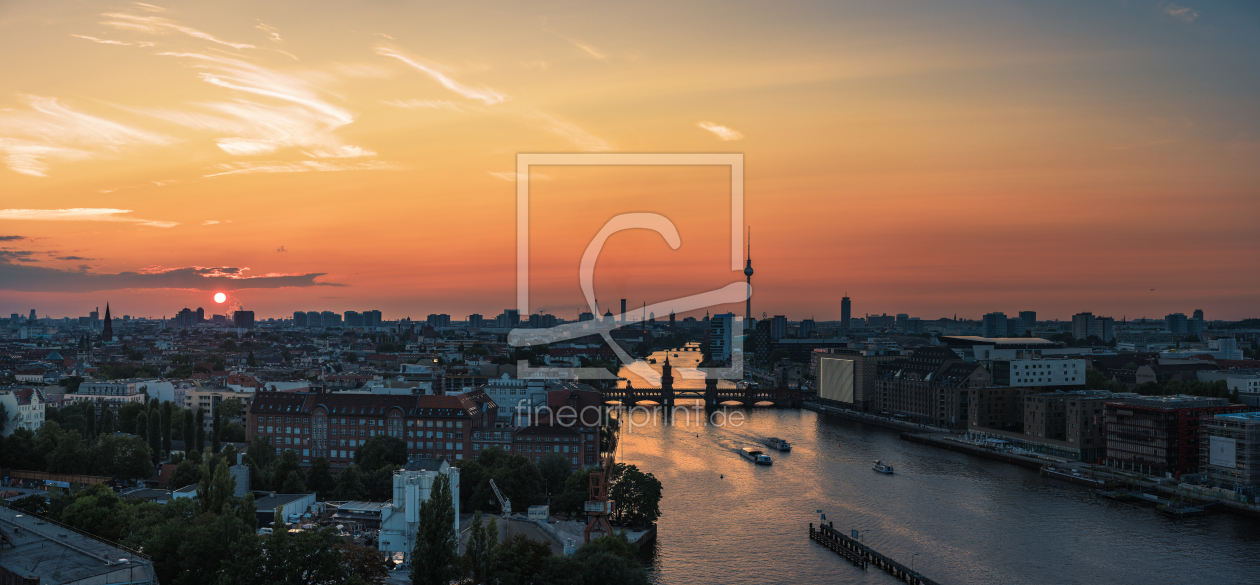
(861, 555)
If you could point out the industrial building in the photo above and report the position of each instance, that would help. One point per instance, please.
(37, 552)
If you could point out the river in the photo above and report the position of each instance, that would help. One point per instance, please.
(970, 520)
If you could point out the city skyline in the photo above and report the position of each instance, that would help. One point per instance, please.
(1099, 161)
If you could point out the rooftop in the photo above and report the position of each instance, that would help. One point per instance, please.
(48, 553)
(1240, 416)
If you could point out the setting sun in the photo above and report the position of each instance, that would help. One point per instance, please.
(219, 297)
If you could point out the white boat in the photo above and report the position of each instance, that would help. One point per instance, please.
(777, 443)
(755, 456)
(880, 467)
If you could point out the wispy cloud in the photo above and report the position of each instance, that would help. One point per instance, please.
(157, 25)
(112, 42)
(11, 238)
(210, 222)
(75, 258)
(589, 50)
(306, 166)
(51, 130)
(512, 176)
(483, 94)
(271, 32)
(281, 249)
(80, 214)
(567, 130)
(28, 278)
(303, 120)
(721, 131)
(432, 104)
(1183, 13)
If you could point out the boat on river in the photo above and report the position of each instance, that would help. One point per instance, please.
(882, 468)
(779, 444)
(755, 456)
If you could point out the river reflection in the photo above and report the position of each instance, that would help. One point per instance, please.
(969, 520)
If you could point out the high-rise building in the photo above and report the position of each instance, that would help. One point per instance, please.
(299, 319)
(721, 336)
(314, 319)
(372, 318)
(623, 310)
(1082, 325)
(846, 313)
(201, 315)
(995, 324)
(33, 318)
(1105, 328)
(1177, 324)
(807, 329)
(1198, 314)
(901, 320)
(475, 320)
(353, 318)
(243, 319)
(778, 327)
(437, 321)
(1029, 320)
(329, 319)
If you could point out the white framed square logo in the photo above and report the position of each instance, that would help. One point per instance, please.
(732, 293)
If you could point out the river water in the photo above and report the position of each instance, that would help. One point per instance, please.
(970, 520)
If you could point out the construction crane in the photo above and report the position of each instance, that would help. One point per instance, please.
(599, 507)
(504, 502)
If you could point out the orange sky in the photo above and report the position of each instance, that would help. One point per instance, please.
(924, 158)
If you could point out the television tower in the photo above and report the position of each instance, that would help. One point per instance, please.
(748, 272)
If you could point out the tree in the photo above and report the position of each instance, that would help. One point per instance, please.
(293, 484)
(125, 458)
(142, 426)
(107, 421)
(380, 451)
(69, 456)
(319, 479)
(638, 496)
(479, 553)
(20, 451)
(250, 361)
(261, 452)
(555, 469)
(610, 560)
(519, 480)
(216, 431)
(435, 554)
(89, 418)
(34, 504)
(186, 430)
(349, 484)
(519, 559)
(368, 564)
(166, 427)
(96, 509)
(287, 464)
(186, 474)
(215, 487)
(155, 435)
(4, 418)
(199, 430)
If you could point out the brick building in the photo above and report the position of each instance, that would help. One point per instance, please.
(1159, 435)
(334, 426)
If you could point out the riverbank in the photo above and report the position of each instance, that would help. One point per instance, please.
(874, 419)
(1108, 475)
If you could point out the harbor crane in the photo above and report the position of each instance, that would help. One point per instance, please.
(503, 501)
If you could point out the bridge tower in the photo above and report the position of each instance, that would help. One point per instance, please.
(667, 384)
(710, 392)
